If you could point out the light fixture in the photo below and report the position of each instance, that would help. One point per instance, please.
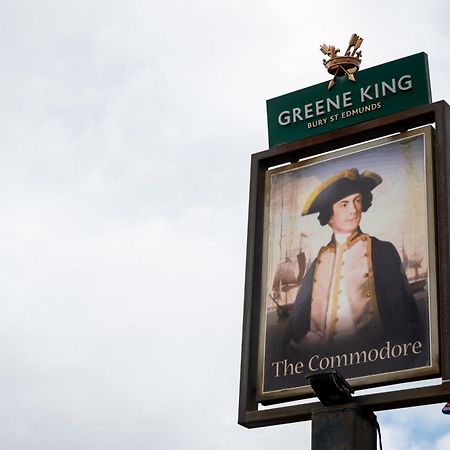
(331, 388)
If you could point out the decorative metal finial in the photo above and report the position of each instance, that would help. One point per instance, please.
(343, 65)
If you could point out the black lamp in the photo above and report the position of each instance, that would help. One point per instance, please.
(331, 388)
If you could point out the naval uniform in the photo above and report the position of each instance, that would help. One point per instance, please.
(355, 295)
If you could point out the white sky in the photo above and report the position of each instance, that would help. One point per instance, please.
(127, 129)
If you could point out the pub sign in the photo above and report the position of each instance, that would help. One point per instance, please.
(347, 254)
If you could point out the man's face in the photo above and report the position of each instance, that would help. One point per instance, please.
(346, 214)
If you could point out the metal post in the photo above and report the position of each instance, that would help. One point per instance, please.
(343, 428)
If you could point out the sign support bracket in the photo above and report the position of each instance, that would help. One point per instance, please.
(344, 428)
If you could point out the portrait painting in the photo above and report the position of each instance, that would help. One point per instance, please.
(348, 279)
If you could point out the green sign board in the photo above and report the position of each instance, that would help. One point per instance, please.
(378, 91)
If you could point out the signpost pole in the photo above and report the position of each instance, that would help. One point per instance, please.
(343, 428)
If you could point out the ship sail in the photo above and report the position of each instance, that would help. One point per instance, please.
(288, 276)
(289, 273)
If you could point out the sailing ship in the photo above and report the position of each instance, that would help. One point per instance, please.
(288, 277)
(413, 263)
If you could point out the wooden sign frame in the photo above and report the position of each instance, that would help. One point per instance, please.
(250, 413)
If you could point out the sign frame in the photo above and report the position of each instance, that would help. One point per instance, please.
(250, 414)
(395, 356)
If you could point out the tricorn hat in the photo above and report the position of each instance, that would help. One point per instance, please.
(339, 186)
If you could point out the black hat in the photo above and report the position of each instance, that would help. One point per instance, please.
(339, 186)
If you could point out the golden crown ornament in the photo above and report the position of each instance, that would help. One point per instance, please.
(343, 65)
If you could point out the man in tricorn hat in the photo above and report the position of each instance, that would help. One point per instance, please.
(356, 292)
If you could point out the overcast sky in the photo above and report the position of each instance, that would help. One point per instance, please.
(126, 135)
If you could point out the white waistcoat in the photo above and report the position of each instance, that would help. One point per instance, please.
(343, 300)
